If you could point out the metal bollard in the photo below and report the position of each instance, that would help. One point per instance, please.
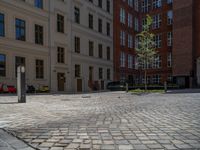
(165, 86)
(126, 87)
(21, 84)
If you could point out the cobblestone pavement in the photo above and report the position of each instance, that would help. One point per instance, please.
(106, 121)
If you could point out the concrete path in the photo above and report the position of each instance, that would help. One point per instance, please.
(9, 142)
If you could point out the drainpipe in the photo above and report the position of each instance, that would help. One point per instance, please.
(49, 45)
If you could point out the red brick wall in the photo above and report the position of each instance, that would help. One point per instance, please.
(183, 37)
(117, 28)
(197, 27)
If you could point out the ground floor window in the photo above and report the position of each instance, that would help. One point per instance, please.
(2, 65)
(156, 79)
(77, 70)
(39, 69)
(19, 61)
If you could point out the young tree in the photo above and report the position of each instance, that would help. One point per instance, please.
(146, 47)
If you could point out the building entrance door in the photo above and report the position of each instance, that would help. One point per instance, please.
(61, 81)
(79, 85)
(102, 85)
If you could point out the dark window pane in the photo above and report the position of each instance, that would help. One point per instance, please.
(2, 65)
(2, 26)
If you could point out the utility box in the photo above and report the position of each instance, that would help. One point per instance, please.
(21, 84)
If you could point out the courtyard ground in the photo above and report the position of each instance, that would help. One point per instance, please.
(107, 121)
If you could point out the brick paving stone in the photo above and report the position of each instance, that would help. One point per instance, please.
(85, 147)
(140, 147)
(169, 147)
(46, 144)
(56, 148)
(183, 146)
(107, 147)
(112, 119)
(125, 147)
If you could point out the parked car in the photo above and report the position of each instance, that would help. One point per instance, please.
(43, 89)
(11, 89)
(30, 89)
(116, 85)
(3, 88)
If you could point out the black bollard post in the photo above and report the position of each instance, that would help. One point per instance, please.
(165, 86)
(126, 87)
(21, 84)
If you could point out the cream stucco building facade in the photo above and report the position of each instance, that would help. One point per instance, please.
(56, 50)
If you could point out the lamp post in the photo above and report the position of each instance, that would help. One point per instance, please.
(21, 84)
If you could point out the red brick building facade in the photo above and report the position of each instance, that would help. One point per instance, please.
(125, 67)
(177, 37)
(186, 37)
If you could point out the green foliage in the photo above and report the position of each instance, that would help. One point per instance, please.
(146, 45)
(139, 91)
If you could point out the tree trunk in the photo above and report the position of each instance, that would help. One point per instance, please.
(145, 79)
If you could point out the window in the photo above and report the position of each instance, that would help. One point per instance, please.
(77, 70)
(108, 53)
(91, 73)
(100, 51)
(100, 25)
(91, 48)
(2, 65)
(169, 39)
(145, 6)
(122, 59)
(130, 61)
(38, 34)
(156, 4)
(108, 6)
(20, 28)
(170, 78)
(60, 55)
(169, 1)
(130, 41)
(136, 63)
(108, 74)
(158, 41)
(39, 4)
(2, 26)
(90, 21)
(39, 69)
(157, 62)
(122, 16)
(136, 42)
(19, 61)
(77, 15)
(130, 3)
(136, 24)
(130, 20)
(156, 79)
(169, 60)
(60, 23)
(100, 73)
(170, 17)
(108, 29)
(100, 3)
(77, 44)
(156, 21)
(136, 5)
(122, 38)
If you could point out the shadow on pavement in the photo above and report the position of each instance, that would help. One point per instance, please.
(183, 91)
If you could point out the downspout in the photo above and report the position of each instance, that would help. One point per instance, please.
(71, 66)
(49, 44)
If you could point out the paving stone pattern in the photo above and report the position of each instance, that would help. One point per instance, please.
(106, 121)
